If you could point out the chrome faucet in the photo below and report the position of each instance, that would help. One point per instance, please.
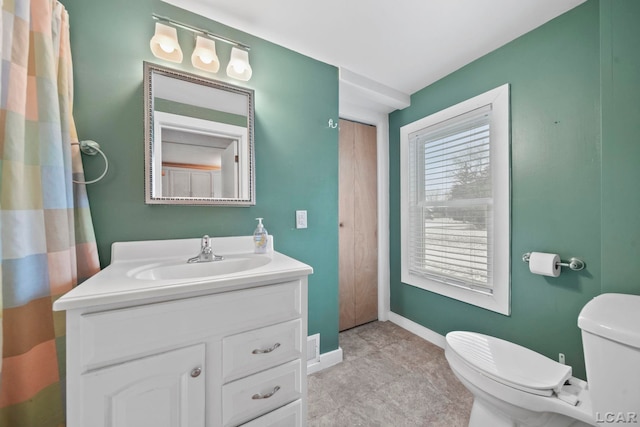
(206, 252)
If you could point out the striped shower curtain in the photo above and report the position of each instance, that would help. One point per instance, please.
(47, 240)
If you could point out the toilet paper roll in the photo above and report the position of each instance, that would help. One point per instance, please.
(545, 264)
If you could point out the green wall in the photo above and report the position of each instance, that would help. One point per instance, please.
(188, 110)
(296, 153)
(620, 34)
(558, 161)
(574, 105)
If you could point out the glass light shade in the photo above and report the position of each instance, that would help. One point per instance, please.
(164, 43)
(204, 55)
(239, 67)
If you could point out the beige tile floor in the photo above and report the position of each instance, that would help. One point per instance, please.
(389, 377)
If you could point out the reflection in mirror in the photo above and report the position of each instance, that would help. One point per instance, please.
(199, 140)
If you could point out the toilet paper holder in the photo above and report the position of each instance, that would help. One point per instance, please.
(575, 264)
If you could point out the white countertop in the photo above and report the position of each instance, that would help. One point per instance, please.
(115, 286)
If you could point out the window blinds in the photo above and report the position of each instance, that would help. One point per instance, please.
(450, 201)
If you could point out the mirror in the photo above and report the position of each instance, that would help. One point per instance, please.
(198, 140)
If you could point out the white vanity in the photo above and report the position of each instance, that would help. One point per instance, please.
(154, 341)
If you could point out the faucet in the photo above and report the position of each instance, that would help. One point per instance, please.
(206, 252)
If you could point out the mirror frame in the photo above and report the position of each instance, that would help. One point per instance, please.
(149, 70)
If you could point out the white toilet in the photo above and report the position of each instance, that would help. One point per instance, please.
(514, 386)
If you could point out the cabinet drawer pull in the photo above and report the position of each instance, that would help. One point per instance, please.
(268, 350)
(266, 396)
(195, 372)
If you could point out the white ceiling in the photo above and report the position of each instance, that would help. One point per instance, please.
(397, 47)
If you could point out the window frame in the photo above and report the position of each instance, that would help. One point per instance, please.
(499, 299)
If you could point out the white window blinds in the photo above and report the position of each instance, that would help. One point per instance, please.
(451, 201)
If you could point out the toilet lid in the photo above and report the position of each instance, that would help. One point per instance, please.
(509, 363)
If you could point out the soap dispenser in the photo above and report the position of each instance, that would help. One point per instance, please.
(260, 238)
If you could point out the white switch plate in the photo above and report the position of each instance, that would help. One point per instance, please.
(301, 219)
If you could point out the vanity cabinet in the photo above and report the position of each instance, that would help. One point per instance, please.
(227, 353)
(184, 182)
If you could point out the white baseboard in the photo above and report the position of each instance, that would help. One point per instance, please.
(413, 327)
(327, 360)
(334, 357)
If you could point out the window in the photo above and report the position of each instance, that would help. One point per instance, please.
(455, 201)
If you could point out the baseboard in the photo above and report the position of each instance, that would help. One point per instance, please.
(327, 360)
(334, 357)
(413, 327)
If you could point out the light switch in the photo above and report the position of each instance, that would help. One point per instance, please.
(301, 219)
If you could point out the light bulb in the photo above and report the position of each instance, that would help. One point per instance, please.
(167, 47)
(238, 67)
(206, 59)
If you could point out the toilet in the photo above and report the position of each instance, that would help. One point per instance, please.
(515, 386)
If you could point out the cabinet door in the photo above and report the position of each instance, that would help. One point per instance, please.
(201, 184)
(164, 390)
(179, 184)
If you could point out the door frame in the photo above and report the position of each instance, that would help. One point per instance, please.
(381, 122)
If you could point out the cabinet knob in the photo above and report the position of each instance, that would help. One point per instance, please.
(195, 373)
(268, 350)
(266, 396)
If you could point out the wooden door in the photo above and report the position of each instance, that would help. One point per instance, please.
(358, 236)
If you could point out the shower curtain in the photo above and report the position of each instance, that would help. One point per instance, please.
(47, 239)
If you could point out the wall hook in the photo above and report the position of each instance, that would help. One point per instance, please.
(332, 124)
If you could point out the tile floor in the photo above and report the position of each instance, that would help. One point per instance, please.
(389, 378)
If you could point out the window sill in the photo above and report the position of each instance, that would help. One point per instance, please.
(498, 301)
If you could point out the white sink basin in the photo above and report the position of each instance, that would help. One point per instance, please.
(177, 270)
(157, 270)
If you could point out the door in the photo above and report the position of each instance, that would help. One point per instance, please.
(358, 222)
(230, 171)
(165, 390)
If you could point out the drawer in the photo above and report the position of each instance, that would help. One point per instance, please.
(249, 352)
(288, 416)
(118, 335)
(258, 394)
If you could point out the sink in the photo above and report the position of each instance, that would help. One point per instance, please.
(178, 270)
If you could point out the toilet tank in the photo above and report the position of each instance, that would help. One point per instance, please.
(610, 326)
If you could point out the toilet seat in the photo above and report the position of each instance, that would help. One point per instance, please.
(508, 363)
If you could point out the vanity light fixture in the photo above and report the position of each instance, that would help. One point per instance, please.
(239, 67)
(164, 43)
(204, 55)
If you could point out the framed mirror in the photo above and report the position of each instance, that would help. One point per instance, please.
(198, 140)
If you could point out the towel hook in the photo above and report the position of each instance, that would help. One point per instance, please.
(91, 148)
